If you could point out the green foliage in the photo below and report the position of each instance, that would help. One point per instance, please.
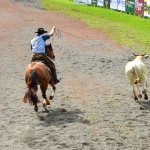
(125, 29)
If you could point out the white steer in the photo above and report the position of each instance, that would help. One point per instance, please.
(136, 72)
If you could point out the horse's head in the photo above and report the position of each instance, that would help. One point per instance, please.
(49, 51)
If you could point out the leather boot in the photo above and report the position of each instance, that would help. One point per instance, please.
(55, 76)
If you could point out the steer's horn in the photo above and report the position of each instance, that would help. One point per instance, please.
(139, 54)
(135, 54)
(143, 54)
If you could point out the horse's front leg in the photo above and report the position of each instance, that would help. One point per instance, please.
(46, 100)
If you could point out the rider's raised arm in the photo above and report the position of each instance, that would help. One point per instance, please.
(52, 32)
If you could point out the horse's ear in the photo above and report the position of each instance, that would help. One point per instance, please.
(51, 45)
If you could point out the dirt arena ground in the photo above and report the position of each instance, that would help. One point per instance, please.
(100, 111)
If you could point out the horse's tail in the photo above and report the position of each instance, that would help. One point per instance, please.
(32, 86)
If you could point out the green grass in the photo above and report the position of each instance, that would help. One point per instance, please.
(128, 30)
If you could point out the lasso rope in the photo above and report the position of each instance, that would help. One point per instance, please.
(71, 34)
(57, 34)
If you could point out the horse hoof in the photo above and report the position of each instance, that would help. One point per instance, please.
(135, 98)
(47, 102)
(146, 97)
(36, 109)
(51, 97)
(45, 109)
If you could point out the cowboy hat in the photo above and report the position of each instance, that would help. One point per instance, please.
(41, 30)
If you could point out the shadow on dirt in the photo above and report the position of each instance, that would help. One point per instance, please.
(144, 105)
(61, 116)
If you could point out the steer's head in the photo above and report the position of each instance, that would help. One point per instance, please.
(139, 56)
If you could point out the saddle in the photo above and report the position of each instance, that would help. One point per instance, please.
(44, 64)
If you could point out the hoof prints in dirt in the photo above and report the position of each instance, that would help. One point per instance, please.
(144, 105)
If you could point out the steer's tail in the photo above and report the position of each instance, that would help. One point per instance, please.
(136, 80)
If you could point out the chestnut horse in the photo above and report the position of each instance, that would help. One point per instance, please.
(37, 73)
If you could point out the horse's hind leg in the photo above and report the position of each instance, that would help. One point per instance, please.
(54, 88)
(43, 88)
(145, 90)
